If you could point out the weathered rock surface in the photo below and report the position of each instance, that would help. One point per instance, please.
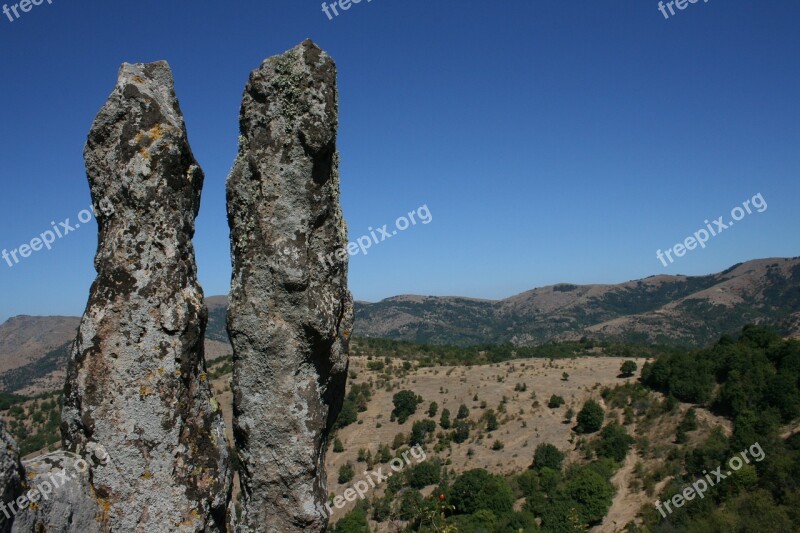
(290, 311)
(136, 382)
(59, 497)
(11, 476)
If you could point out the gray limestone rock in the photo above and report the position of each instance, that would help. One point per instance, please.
(136, 382)
(290, 313)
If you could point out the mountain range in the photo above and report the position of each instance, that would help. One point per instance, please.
(689, 311)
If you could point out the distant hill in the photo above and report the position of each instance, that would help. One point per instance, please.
(24, 339)
(676, 310)
(671, 310)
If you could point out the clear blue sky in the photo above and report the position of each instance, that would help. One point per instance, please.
(552, 141)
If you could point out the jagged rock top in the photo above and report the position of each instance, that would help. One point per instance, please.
(299, 90)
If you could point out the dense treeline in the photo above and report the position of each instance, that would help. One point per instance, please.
(435, 354)
(755, 381)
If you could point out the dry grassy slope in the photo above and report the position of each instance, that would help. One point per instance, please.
(23, 339)
(630, 496)
(587, 376)
(522, 428)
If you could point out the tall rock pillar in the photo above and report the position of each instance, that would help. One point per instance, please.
(136, 382)
(290, 311)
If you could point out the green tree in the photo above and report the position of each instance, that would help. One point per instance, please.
(463, 412)
(433, 408)
(405, 404)
(593, 493)
(547, 456)
(590, 418)
(477, 489)
(353, 522)
(338, 447)
(689, 423)
(424, 474)
(549, 480)
(384, 455)
(444, 420)
(348, 415)
(420, 431)
(614, 442)
(628, 368)
(518, 523)
(376, 365)
(398, 441)
(528, 483)
(410, 504)
(382, 508)
(491, 421)
(555, 402)
(346, 473)
(461, 431)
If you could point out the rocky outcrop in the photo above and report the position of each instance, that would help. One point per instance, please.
(49, 493)
(11, 476)
(290, 311)
(136, 382)
(58, 497)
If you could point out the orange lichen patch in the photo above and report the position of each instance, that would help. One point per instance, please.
(202, 376)
(138, 79)
(153, 134)
(147, 475)
(156, 132)
(192, 519)
(145, 391)
(105, 509)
